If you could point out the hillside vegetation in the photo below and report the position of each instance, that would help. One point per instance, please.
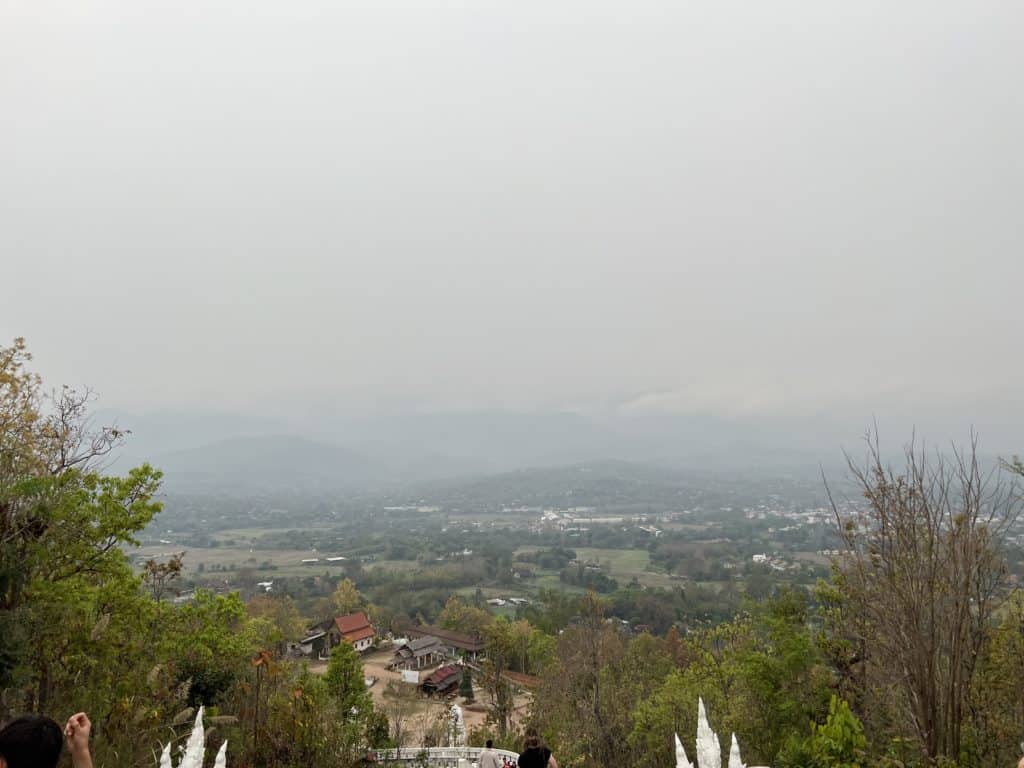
(907, 651)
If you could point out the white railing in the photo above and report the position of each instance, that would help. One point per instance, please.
(709, 752)
(441, 757)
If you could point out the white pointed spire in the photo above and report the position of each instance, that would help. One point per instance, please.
(196, 746)
(193, 752)
(709, 751)
(681, 761)
(734, 754)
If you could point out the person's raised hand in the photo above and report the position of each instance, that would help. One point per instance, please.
(76, 735)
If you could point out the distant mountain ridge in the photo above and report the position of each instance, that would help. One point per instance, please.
(270, 462)
(325, 451)
(614, 485)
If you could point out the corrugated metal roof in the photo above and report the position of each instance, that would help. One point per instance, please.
(422, 645)
(443, 675)
(457, 639)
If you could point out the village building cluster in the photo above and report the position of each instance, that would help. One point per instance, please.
(431, 657)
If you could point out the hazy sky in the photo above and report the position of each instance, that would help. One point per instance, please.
(694, 205)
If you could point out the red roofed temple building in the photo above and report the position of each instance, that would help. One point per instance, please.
(355, 629)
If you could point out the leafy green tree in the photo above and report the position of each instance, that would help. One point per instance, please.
(461, 617)
(672, 708)
(997, 721)
(59, 516)
(347, 599)
(780, 680)
(62, 522)
(290, 719)
(552, 611)
(837, 743)
(760, 676)
(284, 623)
(500, 648)
(210, 645)
(466, 685)
(377, 730)
(542, 652)
(346, 683)
(79, 631)
(582, 706)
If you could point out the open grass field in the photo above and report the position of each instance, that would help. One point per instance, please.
(264, 562)
(392, 566)
(246, 536)
(812, 557)
(693, 527)
(550, 580)
(623, 562)
(623, 565)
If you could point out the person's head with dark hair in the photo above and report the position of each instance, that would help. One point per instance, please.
(535, 752)
(489, 743)
(32, 741)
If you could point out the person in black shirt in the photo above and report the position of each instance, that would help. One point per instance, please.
(535, 753)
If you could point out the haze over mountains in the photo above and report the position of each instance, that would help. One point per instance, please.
(221, 451)
(705, 238)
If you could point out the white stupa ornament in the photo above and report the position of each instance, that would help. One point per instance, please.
(681, 761)
(195, 749)
(709, 751)
(458, 736)
(734, 754)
